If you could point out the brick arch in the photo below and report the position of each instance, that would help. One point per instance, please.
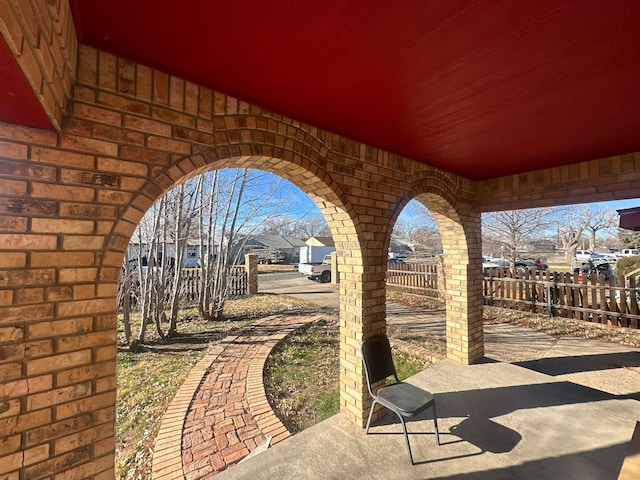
(312, 180)
(70, 200)
(436, 190)
(459, 227)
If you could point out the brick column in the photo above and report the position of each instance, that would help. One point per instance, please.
(462, 244)
(362, 315)
(251, 267)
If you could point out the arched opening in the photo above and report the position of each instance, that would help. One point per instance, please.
(459, 269)
(325, 196)
(415, 281)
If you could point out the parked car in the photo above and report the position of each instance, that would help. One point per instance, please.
(395, 261)
(530, 264)
(502, 262)
(589, 256)
(597, 269)
(317, 271)
(584, 255)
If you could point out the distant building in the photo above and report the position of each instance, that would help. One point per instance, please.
(399, 248)
(261, 244)
(320, 242)
(541, 246)
(190, 257)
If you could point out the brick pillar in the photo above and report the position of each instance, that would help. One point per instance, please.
(462, 243)
(251, 267)
(362, 315)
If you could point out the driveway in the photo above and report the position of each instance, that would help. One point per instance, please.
(296, 285)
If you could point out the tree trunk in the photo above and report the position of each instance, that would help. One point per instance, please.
(592, 240)
(125, 295)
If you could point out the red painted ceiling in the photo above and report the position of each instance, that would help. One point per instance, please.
(18, 103)
(478, 88)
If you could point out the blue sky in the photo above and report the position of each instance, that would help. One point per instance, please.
(295, 204)
(620, 204)
(300, 202)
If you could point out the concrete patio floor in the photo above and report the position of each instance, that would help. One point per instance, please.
(497, 421)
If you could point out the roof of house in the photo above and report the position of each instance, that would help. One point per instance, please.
(326, 241)
(630, 218)
(275, 241)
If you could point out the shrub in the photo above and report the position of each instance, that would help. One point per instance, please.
(627, 265)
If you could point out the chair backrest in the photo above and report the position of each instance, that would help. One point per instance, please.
(377, 359)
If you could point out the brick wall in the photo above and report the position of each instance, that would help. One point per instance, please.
(600, 180)
(42, 38)
(69, 203)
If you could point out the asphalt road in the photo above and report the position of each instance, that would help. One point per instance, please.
(298, 286)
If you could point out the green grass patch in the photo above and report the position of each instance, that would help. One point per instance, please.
(408, 365)
(302, 375)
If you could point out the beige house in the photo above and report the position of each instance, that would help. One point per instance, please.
(320, 242)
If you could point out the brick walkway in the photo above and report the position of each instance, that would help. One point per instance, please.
(221, 413)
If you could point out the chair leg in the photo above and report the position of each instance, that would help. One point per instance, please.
(435, 422)
(370, 415)
(406, 438)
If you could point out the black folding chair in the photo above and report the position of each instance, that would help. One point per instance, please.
(403, 399)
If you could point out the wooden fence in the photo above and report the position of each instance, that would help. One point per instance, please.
(418, 278)
(561, 294)
(190, 284)
(555, 294)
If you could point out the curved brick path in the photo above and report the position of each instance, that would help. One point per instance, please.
(221, 413)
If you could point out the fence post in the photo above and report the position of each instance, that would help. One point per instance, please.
(251, 268)
(549, 300)
(335, 278)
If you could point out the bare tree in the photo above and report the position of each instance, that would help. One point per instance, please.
(418, 229)
(149, 273)
(315, 226)
(125, 295)
(218, 208)
(570, 239)
(572, 222)
(185, 209)
(237, 204)
(597, 220)
(286, 226)
(512, 229)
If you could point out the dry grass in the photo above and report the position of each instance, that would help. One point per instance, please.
(563, 327)
(436, 345)
(148, 381)
(416, 301)
(263, 305)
